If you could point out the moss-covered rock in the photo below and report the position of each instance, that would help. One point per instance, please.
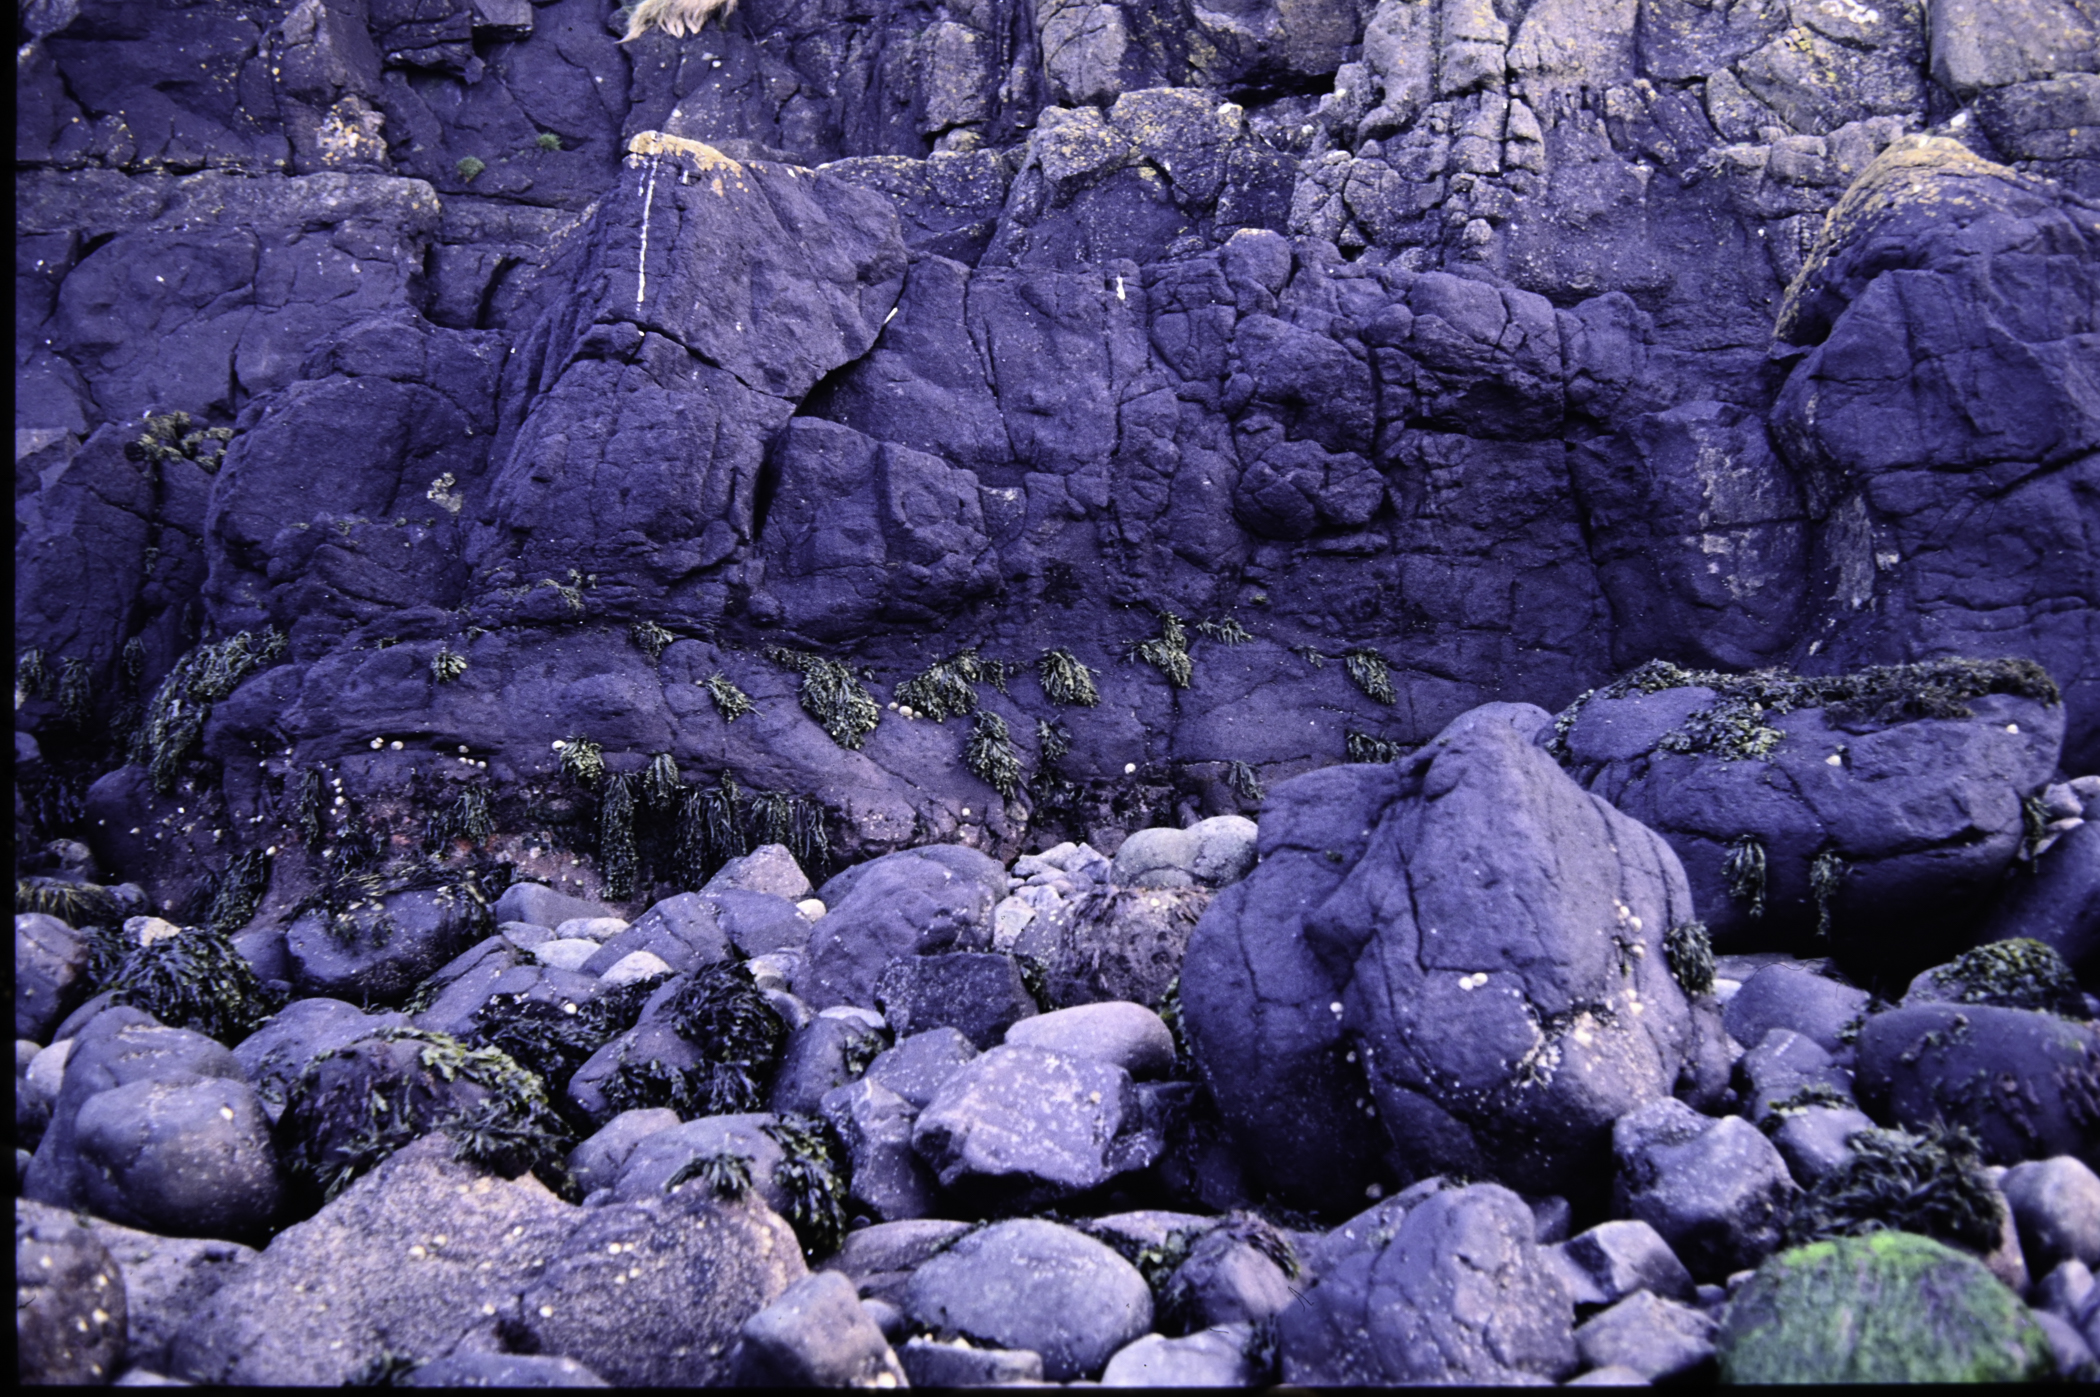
(1891, 1307)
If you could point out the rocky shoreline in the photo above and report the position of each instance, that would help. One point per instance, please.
(1332, 692)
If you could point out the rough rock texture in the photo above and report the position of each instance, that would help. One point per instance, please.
(1410, 331)
(1464, 946)
(1034, 1285)
(1460, 1293)
(697, 1268)
(2026, 1083)
(69, 1303)
(504, 509)
(368, 1272)
(1891, 1308)
(165, 1278)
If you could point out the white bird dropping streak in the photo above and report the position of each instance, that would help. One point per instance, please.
(641, 262)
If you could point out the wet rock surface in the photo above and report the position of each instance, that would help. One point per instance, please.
(1056, 659)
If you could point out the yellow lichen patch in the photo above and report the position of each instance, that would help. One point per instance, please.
(1913, 170)
(703, 157)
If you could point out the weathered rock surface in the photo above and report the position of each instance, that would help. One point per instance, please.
(1034, 1285)
(1460, 1293)
(412, 1257)
(1494, 1001)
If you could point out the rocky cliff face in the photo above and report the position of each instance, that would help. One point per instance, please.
(1303, 373)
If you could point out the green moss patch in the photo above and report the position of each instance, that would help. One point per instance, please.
(1890, 1308)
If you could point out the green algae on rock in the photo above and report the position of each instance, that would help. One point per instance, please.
(1892, 1308)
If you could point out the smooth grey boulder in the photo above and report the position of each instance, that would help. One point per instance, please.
(888, 1179)
(1216, 1357)
(70, 1303)
(879, 1259)
(1018, 1128)
(1648, 1334)
(543, 906)
(930, 1363)
(919, 1063)
(501, 1370)
(1127, 1035)
(120, 1047)
(759, 923)
(915, 902)
(50, 959)
(981, 993)
(1458, 1294)
(596, 1162)
(1788, 996)
(815, 1334)
(653, 1293)
(1788, 1070)
(1615, 1259)
(769, 868)
(1915, 1064)
(1463, 948)
(188, 1155)
(1209, 853)
(496, 966)
(413, 1256)
(2056, 1205)
(1029, 1284)
(1226, 1280)
(685, 932)
(1716, 1190)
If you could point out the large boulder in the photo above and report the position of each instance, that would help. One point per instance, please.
(917, 902)
(188, 1154)
(1868, 816)
(1029, 1284)
(410, 1258)
(1017, 1128)
(2025, 1083)
(1941, 419)
(1460, 1293)
(1464, 947)
(120, 1048)
(654, 1293)
(1888, 1308)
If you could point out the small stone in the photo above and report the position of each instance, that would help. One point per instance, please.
(1654, 1337)
(636, 965)
(568, 952)
(815, 1335)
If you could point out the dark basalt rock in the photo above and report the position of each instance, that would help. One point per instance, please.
(2026, 1083)
(1494, 1014)
(477, 470)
